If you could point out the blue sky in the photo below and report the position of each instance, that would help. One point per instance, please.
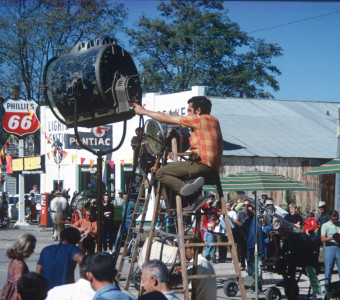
(308, 32)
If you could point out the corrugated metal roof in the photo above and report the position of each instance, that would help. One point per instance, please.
(277, 128)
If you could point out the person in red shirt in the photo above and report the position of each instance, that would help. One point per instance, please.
(210, 213)
(311, 224)
(88, 225)
(87, 228)
(206, 146)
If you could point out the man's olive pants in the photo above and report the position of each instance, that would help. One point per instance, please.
(175, 174)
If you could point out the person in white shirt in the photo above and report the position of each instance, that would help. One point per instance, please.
(155, 277)
(119, 200)
(34, 190)
(231, 213)
(75, 291)
(221, 232)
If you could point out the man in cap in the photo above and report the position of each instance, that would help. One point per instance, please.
(264, 197)
(323, 215)
(249, 229)
(119, 200)
(242, 245)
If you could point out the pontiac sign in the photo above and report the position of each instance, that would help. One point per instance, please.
(100, 138)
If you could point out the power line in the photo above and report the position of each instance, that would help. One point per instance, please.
(298, 21)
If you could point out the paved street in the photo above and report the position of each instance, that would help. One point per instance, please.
(44, 238)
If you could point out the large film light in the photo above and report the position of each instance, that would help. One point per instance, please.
(100, 77)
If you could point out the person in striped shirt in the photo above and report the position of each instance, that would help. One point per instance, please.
(206, 146)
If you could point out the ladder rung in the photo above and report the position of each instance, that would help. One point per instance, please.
(179, 291)
(213, 276)
(190, 245)
(128, 258)
(178, 264)
(176, 236)
(166, 211)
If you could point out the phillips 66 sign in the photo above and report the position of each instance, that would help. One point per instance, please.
(20, 117)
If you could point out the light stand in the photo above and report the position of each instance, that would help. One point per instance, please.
(99, 155)
(94, 84)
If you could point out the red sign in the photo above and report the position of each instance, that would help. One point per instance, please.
(20, 117)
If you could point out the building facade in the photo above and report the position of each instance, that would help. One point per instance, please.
(283, 137)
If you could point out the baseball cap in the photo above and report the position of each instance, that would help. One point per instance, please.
(269, 202)
(322, 203)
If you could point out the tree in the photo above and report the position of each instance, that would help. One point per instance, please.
(32, 32)
(195, 43)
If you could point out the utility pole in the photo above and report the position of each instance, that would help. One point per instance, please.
(337, 176)
(21, 215)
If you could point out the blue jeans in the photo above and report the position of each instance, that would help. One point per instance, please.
(251, 262)
(331, 254)
(126, 229)
(210, 250)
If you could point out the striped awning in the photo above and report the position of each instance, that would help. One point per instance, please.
(333, 166)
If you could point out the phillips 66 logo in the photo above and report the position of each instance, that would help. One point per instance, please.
(20, 117)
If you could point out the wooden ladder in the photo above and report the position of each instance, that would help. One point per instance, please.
(182, 237)
(138, 230)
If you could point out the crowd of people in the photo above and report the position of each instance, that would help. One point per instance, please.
(87, 225)
(285, 237)
(54, 273)
(54, 277)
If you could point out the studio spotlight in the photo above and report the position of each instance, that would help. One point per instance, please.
(99, 78)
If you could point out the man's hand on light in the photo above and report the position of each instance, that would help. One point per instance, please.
(139, 110)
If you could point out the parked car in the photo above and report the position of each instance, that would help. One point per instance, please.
(13, 206)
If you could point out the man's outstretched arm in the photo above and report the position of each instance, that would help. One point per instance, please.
(158, 116)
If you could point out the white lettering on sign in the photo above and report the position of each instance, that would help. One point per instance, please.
(56, 136)
(55, 126)
(176, 112)
(91, 141)
(20, 117)
(19, 106)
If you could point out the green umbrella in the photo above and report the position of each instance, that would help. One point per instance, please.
(259, 180)
(333, 166)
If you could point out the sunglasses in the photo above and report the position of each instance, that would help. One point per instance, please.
(334, 220)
